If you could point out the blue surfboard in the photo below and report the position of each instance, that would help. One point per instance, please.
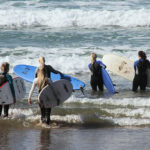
(107, 80)
(27, 72)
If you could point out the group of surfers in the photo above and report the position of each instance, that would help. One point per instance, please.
(42, 78)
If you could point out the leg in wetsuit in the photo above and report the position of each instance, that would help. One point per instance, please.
(6, 109)
(45, 114)
(96, 82)
(1, 109)
(139, 81)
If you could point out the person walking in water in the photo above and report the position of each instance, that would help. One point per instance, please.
(4, 77)
(41, 81)
(140, 68)
(42, 78)
(96, 76)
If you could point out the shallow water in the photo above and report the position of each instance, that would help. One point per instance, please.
(76, 139)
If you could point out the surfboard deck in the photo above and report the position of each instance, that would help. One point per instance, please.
(61, 89)
(27, 72)
(122, 66)
(107, 81)
(5, 91)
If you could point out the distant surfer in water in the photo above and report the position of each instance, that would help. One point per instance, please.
(4, 77)
(41, 81)
(96, 76)
(140, 67)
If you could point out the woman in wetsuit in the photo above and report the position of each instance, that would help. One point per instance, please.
(41, 81)
(96, 76)
(140, 67)
(4, 77)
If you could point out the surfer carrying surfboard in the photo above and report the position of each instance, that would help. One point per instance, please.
(41, 81)
(96, 76)
(42, 78)
(140, 68)
(4, 77)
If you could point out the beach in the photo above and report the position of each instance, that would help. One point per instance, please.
(66, 32)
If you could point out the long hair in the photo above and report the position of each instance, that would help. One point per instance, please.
(42, 80)
(93, 58)
(142, 55)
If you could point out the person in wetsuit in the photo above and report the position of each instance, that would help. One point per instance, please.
(4, 77)
(140, 67)
(41, 81)
(46, 71)
(96, 76)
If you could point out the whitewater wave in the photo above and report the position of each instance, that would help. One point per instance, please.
(64, 18)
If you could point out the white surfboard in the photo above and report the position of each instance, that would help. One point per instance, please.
(5, 91)
(122, 66)
(62, 88)
(119, 65)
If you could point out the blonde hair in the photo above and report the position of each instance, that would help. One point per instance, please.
(5, 67)
(42, 80)
(93, 57)
(41, 60)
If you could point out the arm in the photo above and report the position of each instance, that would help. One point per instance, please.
(135, 65)
(51, 69)
(10, 81)
(101, 64)
(89, 65)
(32, 89)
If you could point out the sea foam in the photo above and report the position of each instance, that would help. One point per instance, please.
(64, 18)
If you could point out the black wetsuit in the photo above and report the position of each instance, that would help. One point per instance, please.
(96, 77)
(140, 78)
(45, 112)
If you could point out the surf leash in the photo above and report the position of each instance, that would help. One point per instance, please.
(82, 90)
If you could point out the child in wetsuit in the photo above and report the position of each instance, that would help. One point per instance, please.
(96, 77)
(4, 77)
(140, 67)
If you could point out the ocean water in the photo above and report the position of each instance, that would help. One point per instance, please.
(66, 32)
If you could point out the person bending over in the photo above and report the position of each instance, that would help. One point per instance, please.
(4, 77)
(96, 76)
(140, 68)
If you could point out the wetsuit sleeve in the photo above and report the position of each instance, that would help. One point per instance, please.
(33, 87)
(135, 65)
(89, 66)
(101, 64)
(10, 81)
(51, 69)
